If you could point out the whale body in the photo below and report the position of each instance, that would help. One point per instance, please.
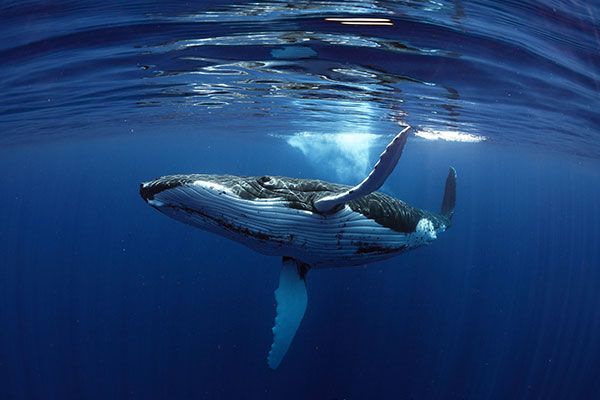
(309, 223)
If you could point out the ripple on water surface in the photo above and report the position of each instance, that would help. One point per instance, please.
(508, 73)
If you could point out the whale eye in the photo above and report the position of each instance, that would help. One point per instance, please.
(264, 179)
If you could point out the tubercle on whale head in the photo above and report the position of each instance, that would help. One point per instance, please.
(149, 190)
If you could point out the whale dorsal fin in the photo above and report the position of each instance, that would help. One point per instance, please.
(384, 167)
(291, 303)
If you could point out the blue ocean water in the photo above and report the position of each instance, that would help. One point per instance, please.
(102, 297)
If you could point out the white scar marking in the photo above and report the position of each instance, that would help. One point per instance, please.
(214, 187)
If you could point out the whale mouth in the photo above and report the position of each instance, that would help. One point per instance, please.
(145, 192)
(149, 190)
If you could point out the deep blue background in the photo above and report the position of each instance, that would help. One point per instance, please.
(102, 297)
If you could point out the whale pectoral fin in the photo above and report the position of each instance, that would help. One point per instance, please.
(291, 303)
(384, 167)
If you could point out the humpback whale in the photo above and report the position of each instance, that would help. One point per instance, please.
(309, 223)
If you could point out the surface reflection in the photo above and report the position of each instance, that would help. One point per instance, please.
(308, 62)
(448, 135)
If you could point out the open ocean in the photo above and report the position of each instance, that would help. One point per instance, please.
(101, 297)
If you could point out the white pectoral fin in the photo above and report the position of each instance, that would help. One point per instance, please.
(291, 303)
(384, 167)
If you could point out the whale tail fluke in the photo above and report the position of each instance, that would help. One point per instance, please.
(449, 195)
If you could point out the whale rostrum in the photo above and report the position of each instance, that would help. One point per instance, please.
(309, 223)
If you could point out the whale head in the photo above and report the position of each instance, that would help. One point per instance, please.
(260, 212)
(217, 203)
